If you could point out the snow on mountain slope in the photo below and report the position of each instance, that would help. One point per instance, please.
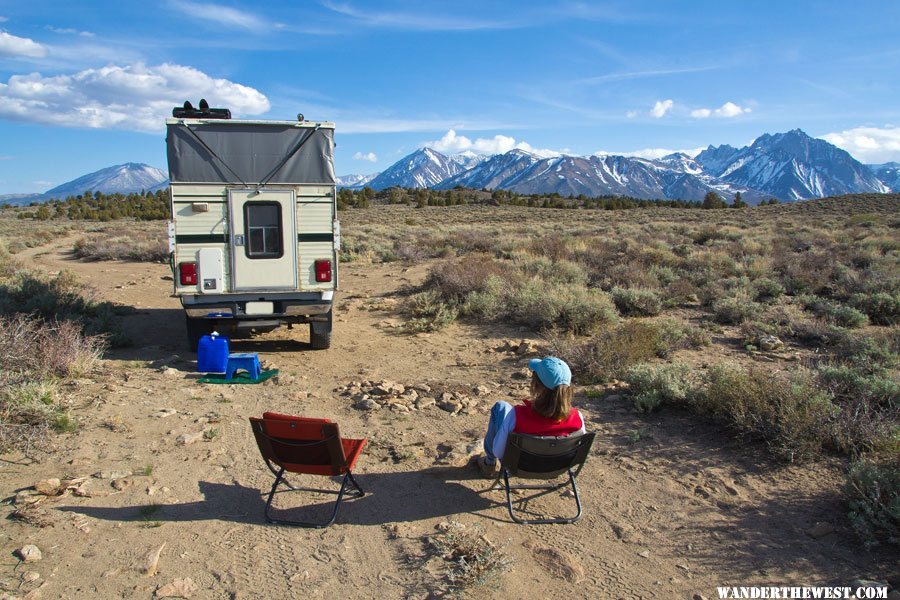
(888, 174)
(130, 177)
(355, 181)
(791, 166)
(424, 168)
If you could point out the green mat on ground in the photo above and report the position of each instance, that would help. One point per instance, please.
(240, 377)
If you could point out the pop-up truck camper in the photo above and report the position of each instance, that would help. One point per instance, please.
(254, 234)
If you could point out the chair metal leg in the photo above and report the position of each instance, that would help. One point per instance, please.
(509, 503)
(279, 479)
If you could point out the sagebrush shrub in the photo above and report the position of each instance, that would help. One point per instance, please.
(651, 386)
(766, 290)
(636, 302)
(873, 496)
(542, 305)
(734, 311)
(674, 335)
(784, 410)
(429, 312)
(882, 308)
(456, 279)
(609, 353)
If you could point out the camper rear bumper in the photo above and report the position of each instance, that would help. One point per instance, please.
(306, 304)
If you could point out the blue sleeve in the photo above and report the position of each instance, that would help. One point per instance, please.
(509, 423)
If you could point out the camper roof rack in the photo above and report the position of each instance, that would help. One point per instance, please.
(202, 112)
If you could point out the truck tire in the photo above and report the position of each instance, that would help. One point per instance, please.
(320, 334)
(196, 329)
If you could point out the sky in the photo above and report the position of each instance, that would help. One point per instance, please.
(84, 86)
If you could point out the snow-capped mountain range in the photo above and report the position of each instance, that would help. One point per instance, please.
(788, 166)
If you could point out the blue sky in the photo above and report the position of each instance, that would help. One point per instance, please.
(88, 85)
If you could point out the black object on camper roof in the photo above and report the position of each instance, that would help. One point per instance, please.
(203, 112)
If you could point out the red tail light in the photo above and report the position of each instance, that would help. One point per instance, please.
(187, 273)
(323, 271)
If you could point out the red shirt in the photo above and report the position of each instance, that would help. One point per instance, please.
(531, 423)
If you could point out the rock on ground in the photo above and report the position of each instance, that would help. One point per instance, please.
(29, 553)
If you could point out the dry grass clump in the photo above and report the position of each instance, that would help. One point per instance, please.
(608, 354)
(471, 559)
(137, 246)
(455, 280)
(56, 298)
(34, 356)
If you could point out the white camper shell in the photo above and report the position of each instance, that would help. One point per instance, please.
(254, 234)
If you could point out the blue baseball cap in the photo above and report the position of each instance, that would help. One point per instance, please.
(551, 371)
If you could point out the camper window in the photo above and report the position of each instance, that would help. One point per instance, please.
(264, 234)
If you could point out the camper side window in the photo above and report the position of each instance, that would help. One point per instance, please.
(264, 235)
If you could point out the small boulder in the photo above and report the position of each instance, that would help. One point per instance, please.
(367, 404)
(770, 343)
(186, 439)
(424, 402)
(820, 530)
(150, 563)
(179, 588)
(48, 487)
(29, 553)
(451, 406)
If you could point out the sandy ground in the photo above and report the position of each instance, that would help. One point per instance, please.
(673, 508)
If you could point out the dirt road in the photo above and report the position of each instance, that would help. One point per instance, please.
(672, 508)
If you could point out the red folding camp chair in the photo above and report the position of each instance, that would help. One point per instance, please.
(311, 446)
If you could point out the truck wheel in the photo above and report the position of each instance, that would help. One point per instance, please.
(196, 329)
(320, 334)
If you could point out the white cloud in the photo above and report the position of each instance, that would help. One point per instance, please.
(730, 109)
(631, 114)
(69, 31)
(11, 45)
(369, 156)
(660, 109)
(135, 97)
(868, 144)
(420, 20)
(726, 111)
(651, 153)
(222, 15)
(3, 19)
(453, 143)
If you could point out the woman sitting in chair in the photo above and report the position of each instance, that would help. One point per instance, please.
(548, 412)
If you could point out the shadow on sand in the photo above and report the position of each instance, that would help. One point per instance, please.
(390, 498)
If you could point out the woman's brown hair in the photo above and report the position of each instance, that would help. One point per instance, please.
(553, 404)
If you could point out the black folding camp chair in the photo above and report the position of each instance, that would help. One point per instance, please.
(544, 457)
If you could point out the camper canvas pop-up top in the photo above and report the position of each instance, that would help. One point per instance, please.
(254, 234)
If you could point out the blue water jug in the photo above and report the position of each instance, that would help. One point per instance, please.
(212, 354)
